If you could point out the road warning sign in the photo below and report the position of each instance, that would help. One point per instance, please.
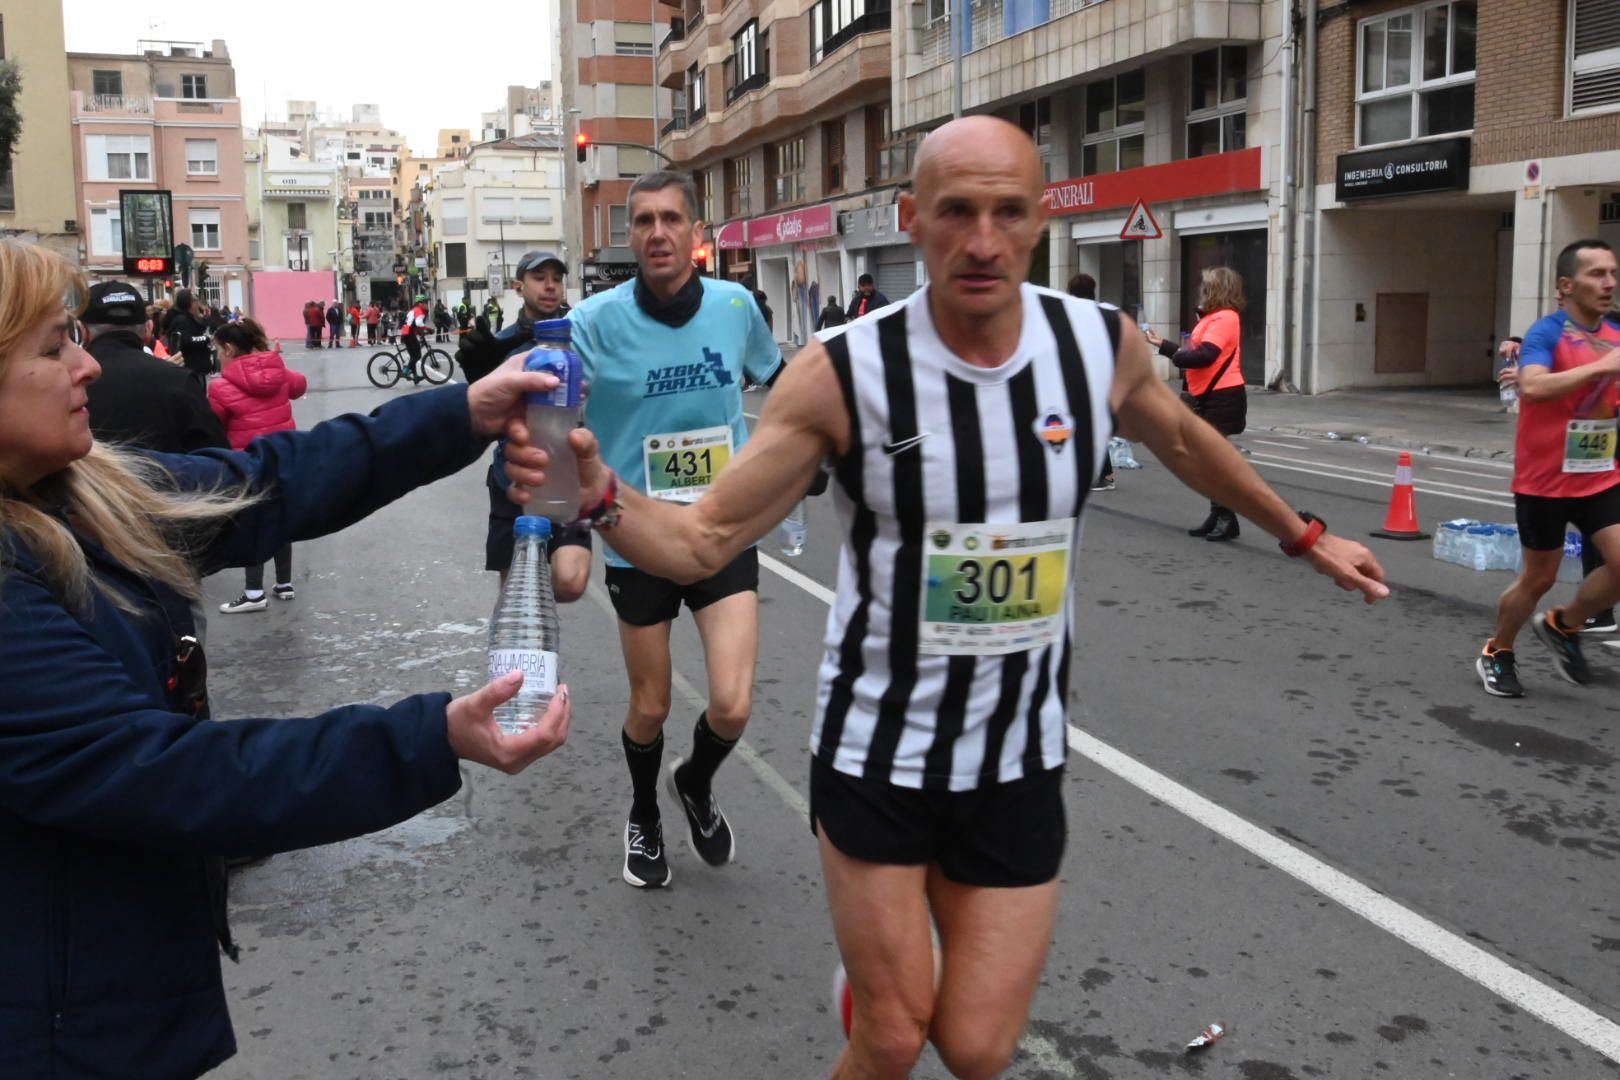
(1141, 224)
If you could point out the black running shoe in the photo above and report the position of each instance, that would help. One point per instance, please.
(645, 865)
(1499, 672)
(707, 827)
(1601, 623)
(1566, 649)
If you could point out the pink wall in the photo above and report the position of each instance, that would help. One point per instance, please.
(278, 297)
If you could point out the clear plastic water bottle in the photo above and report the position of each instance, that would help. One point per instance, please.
(791, 533)
(1507, 540)
(552, 416)
(523, 634)
(1120, 455)
(1570, 569)
(1481, 538)
(1508, 391)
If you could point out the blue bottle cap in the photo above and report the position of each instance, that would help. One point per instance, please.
(556, 330)
(528, 525)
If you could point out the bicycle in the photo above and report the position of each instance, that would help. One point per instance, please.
(386, 368)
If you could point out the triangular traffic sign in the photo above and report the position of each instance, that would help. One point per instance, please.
(1141, 224)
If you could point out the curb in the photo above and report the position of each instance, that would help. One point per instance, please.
(1397, 441)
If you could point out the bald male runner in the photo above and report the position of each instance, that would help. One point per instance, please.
(966, 424)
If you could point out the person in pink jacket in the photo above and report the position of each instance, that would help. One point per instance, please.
(254, 397)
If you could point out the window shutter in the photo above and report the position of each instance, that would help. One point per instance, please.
(1594, 55)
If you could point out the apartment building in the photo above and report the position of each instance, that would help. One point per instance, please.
(781, 114)
(165, 117)
(1461, 144)
(484, 211)
(292, 208)
(34, 202)
(606, 91)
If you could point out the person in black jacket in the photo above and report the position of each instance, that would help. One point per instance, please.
(334, 325)
(189, 337)
(866, 299)
(831, 315)
(116, 793)
(140, 400)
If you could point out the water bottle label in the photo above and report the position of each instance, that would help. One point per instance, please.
(566, 365)
(539, 668)
(681, 465)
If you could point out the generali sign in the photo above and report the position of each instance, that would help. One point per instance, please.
(1213, 174)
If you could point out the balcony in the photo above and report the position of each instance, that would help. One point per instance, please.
(753, 82)
(117, 103)
(677, 32)
(871, 23)
(676, 122)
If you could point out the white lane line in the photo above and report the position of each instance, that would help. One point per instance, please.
(1462, 956)
(793, 577)
(1385, 483)
(1469, 472)
(1417, 455)
(1376, 473)
(1562, 1012)
(750, 416)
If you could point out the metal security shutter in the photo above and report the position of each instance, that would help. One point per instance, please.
(1594, 55)
(896, 271)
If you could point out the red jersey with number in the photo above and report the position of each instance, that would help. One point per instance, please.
(1566, 446)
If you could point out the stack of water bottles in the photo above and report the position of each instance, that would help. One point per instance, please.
(1477, 545)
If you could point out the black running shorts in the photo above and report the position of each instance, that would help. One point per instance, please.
(1001, 836)
(1542, 519)
(644, 600)
(499, 544)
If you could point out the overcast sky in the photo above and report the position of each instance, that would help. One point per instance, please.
(427, 73)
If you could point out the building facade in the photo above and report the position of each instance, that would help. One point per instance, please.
(606, 91)
(166, 117)
(782, 116)
(1461, 144)
(34, 203)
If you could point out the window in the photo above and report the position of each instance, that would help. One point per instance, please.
(202, 157)
(298, 252)
(1594, 56)
(888, 156)
(497, 208)
(707, 182)
(633, 39)
(106, 232)
(748, 67)
(1416, 73)
(1115, 109)
(634, 161)
(1218, 101)
(739, 182)
(832, 153)
(833, 23)
(455, 260)
(633, 100)
(618, 226)
(353, 155)
(8, 193)
(205, 230)
(297, 215)
(193, 86)
(534, 210)
(455, 217)
(694, 93)
(1035, 117)
(784, 172)
(118, 157)
(107, 83)
(377, 219)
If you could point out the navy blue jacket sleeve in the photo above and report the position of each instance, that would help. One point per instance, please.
(329, 477)
(83, 749)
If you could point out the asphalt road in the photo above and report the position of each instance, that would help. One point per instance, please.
(1289, 813)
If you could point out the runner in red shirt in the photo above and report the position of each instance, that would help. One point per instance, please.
(1564, 467)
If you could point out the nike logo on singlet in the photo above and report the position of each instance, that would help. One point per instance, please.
(904, 444)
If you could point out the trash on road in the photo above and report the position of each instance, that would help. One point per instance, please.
(1119, 453)
(1207, 1038)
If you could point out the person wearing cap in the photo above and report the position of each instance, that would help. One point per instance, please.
(139, 400)
(539, 281)
(867, 299)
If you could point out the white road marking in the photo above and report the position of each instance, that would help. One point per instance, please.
(1417, 455)
(1376, 474)
(1559, 1010)
(750, 416)
(1385, 483)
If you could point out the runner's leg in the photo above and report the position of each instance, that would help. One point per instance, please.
(730, 632)
(994, 943)
(1601, 588)
(647, 665)
(880, 917)
(1519, 602)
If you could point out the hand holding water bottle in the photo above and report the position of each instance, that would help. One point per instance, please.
(474, 735)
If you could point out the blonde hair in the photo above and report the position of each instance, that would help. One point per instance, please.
(119, 498)
(1221, 287)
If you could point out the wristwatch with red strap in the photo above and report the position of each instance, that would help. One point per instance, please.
(1314, 528)
(605, 513)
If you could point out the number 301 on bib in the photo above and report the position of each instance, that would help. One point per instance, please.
(994, 589)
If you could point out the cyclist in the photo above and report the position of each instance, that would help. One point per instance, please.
(415, 330)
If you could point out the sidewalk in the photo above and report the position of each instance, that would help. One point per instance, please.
(1466, 421)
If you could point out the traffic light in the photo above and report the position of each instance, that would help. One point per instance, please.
(700, 256)
(582, 143)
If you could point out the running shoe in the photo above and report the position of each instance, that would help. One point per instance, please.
(283, 592)
(707, 828)
(1601, 623)
(1499, 672)
(843, 1005)
(645, 864)
(1106, 484)
(1566, 648)
(245, 603)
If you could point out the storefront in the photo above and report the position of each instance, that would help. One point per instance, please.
(612, 267)
(880, 248)
(787, 255)
(1211, 211)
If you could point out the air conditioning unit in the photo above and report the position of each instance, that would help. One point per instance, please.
(70, 226)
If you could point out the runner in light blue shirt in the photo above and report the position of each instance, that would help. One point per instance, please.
(665, 355)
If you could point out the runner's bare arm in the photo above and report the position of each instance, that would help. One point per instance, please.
(1201, 458)
(1540, 383)
(803, 422)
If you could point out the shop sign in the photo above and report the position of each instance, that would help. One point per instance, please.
(731, 237)
(1212, 174)
(1410, 169)
(610, 271)
(792, 227)
(875, 226)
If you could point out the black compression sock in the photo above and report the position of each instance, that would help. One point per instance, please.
(708, 751)
(644, 760)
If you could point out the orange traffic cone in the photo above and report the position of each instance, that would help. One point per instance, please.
(1401, 522)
